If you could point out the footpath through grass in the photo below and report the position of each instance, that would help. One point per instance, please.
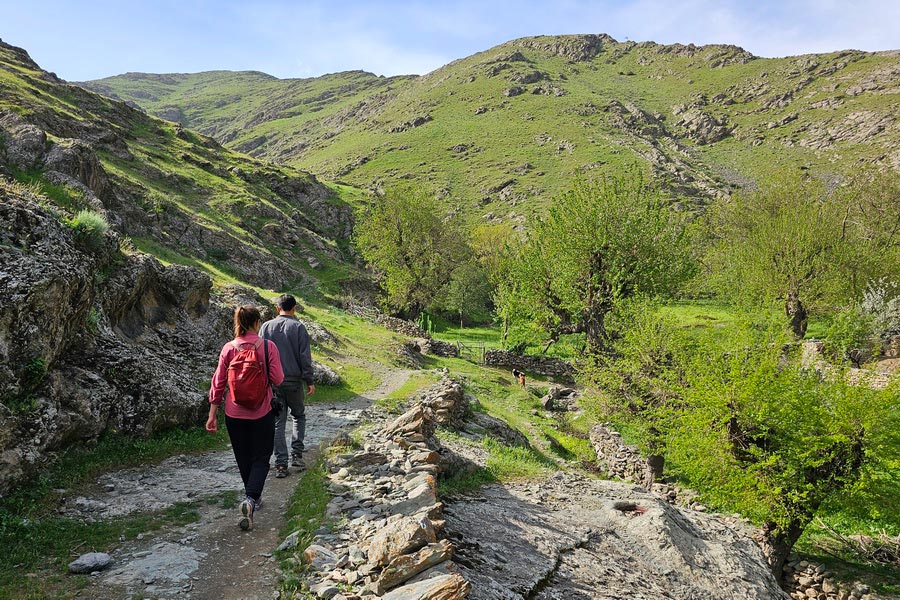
(38, 543)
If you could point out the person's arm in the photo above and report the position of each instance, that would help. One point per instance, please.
(276, 372)
(217, 390)
(306, 368)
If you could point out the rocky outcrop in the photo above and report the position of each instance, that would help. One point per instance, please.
(570, 536)
(542, 365)
(92, 339)
(701, 126)
(575, 48)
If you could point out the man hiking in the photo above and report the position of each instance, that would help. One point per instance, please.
(292, 340)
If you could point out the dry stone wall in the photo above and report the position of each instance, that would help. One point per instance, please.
(542, 365)
(385, 495)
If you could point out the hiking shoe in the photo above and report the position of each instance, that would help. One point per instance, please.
(297, 461)
(257, 505)
(247, 507)
(281, 471)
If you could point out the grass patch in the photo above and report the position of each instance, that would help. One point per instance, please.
(417, 381)
(354, 381)
(305, 514)
(504, 463)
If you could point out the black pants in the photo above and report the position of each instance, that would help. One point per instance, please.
(252, 441)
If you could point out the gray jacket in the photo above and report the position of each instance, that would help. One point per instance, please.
(292, 341)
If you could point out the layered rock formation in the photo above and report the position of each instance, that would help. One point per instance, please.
(93, 339)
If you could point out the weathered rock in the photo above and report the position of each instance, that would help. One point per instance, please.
(128, 352)
(416, 421)
(560, 537)
(443, 587)
(320, 557)
(90, 562)
(407, 566)
(325, 375)
(290, 542)
(402, 536)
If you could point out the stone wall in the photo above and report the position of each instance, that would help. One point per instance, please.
(385, 498)
(810, 581)
(619, 460)
(542, 365)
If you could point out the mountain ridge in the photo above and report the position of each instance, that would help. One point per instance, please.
(541, 110)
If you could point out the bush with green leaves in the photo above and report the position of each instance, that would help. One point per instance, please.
(738, 419)
(881, 302)
(851, 335)
(90, 228)
(412, 245)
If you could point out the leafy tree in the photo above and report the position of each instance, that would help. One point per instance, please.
(412, 245)
(738, 419)
(789, 241)
(600, 243)
(469, 292)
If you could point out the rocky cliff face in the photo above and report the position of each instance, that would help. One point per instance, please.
(92, 339)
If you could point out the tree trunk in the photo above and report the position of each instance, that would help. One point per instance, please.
(797, 314)
(777, 544)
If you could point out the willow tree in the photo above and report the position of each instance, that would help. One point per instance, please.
(412, 245)
(602, 242)
(788, 241)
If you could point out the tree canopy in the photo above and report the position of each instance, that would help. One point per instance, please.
(602, 242)
(412, 245)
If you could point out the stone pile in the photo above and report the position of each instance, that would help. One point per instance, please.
(385, 497)
(560, 398)
(809, 581)
(542, 365)
(429, 345)
(621, 461)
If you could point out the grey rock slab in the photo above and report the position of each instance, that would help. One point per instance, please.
(90, 562)
(163, 572)
(511, 547)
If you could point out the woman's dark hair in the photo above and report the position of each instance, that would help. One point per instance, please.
(245, 317)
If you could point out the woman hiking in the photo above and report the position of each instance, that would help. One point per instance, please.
(248, 367)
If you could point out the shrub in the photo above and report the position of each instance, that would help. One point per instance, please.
(881, 301)
(90, 228)
(849, 335)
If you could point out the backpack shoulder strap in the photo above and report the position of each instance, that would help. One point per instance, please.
(265, 343)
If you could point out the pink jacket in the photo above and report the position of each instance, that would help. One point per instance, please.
(220, 380)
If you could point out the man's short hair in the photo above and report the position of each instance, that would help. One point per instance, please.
(286, 302)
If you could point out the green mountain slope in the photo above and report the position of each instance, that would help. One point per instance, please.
(506, 129)
(177, 194)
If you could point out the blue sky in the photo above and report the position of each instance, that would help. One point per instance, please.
(87, 39)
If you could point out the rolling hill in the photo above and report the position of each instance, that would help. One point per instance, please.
(176, 194)
(504, 130)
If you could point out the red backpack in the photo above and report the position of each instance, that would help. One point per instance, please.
(248, 376)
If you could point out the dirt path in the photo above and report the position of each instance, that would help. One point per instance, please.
(210, 558)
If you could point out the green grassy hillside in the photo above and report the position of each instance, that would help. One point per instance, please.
(176, 194)
(506, 129)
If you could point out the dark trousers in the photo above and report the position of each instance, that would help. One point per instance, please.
(292, 394)
(252, 441)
